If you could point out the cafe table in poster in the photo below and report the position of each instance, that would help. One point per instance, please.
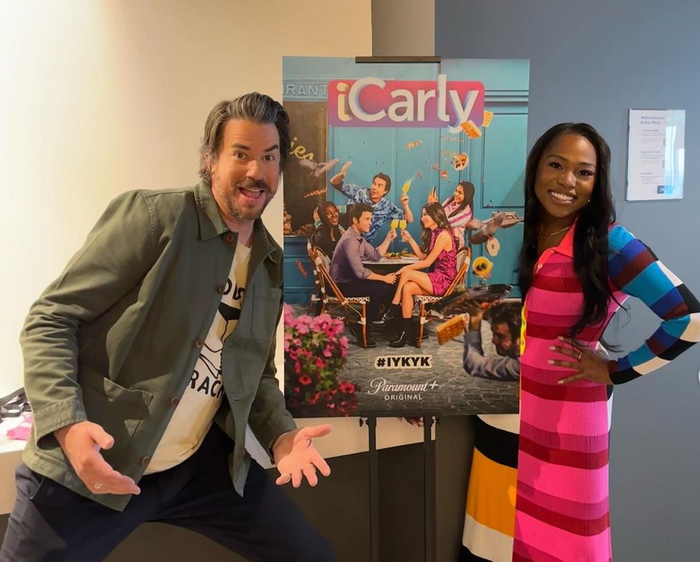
(443, 140)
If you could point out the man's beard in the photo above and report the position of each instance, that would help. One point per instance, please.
(510, 352)
(249, 214)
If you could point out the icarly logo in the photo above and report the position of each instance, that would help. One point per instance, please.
(373, 102)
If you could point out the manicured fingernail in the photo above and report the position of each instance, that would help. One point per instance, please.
(560, 382)
(550, 361)
(552, 348)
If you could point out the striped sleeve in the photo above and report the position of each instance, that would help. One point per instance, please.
(461, 219)
(636, 271)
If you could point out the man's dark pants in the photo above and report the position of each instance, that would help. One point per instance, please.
(378, 292)
(50, 523)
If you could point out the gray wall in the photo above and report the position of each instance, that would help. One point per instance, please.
(592, 61)
(403, 27)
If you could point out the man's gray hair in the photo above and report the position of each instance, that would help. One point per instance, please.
(254, 107)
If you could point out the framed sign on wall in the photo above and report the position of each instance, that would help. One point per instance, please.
(656, 157)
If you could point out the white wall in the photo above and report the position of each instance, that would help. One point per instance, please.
(102, 96)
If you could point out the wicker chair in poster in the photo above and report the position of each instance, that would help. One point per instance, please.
(351, 309)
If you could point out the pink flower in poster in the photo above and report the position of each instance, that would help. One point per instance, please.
(315, 353)
(288, 315)
(347, 388)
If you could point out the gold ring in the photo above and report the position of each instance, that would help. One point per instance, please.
(98, 485)
(580, 354)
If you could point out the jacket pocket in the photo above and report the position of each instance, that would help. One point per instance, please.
(117, 409)
(266, 304)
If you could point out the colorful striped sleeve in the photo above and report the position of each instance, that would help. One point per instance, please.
(636, 271)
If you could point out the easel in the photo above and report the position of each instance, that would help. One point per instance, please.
(429, 418)
(429, 514)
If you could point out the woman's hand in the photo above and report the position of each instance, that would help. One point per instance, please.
(586, 362)
(432, 196)
(317, 217)
(406, 236)
(389, 278)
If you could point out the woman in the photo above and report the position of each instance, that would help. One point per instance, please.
(577, 267)
(328, 230)
(459, 210)
(438, 249)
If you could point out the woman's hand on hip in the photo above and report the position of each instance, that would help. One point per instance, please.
(588, 364)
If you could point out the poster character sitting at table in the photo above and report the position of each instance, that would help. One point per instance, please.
(374, 196)
(438, 251)
(350, 274)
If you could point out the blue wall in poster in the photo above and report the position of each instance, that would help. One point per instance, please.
(497, 159)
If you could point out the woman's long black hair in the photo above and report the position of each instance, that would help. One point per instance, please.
(436, 212)
(591, 235)
(333, 231)
(469, 191)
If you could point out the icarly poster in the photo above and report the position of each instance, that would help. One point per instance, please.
(404, 200)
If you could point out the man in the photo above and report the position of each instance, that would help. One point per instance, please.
(350, 274)
(151, 353)
(375, 196)
(505, 320)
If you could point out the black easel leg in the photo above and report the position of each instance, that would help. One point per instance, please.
(373, 491)
(429, 483)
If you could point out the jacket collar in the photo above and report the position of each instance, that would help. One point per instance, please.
(210, 222)
(212, 225)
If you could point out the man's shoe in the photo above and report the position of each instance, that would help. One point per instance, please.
(386, 320)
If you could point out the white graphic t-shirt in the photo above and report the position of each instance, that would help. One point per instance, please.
(195, 412)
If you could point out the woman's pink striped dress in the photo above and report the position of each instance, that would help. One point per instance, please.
(562, 495)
